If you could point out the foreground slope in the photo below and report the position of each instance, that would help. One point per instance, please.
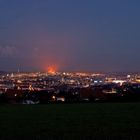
(70, 121)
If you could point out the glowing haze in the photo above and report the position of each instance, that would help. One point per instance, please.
(71, 35)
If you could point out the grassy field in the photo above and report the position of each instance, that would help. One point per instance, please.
(109, 121)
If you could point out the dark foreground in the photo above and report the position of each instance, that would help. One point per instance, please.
(109, 121)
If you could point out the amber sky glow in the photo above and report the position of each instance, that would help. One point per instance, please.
(73, 35)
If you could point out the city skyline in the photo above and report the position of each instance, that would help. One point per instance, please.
(76, 35)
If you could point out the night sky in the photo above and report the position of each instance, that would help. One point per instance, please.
(72, 35)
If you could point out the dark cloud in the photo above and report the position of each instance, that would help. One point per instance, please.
(8, 51)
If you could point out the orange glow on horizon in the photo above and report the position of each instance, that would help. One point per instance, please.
(52, 69)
